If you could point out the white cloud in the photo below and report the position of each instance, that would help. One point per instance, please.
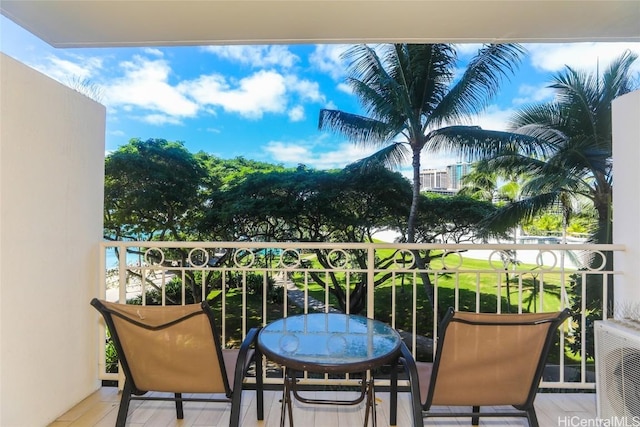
(145, 84)
(256, 56)
(343, 87)
(533, 94)
(160, 119)
(581, 56)
(345, 154)
(468, 49)
(288, 153)
(326, 58)
(251, 97)
(65, 70)
(307, 90)
(296, 114)
(432, 161)
(310, 154)
(493, 118)
(153, 51)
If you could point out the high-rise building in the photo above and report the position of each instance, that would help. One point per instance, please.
(431, 179)
(456, 173)
(449, 179)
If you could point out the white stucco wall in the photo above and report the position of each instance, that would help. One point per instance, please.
(626, 198)
(51, 199)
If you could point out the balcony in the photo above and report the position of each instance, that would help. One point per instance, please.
(291, 278)
(52, 186)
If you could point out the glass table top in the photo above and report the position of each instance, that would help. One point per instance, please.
(329, 342)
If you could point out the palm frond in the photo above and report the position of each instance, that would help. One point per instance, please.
(356, 128)
(429, 72)
(479, 83)
(513, 213)
(582, 156)
(474, 143)
(391, 156)
(514, 165)
(617, 78)
(381, 96)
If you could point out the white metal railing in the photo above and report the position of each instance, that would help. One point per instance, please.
(253, 283)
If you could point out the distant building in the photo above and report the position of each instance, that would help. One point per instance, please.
(444, 181)
(456, 173)
(431, 179)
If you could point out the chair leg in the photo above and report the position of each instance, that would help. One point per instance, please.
(532, 417)
(235, 406)
(259, 387)
(179, 410)
(475, 420)
(393, 399)
(124, 405)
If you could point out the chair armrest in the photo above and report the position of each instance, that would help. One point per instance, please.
(244, 358)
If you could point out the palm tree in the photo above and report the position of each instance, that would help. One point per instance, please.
(484, 183)
(411, 105)
(575, 128)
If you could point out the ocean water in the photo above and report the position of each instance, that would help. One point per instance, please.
(111, 259)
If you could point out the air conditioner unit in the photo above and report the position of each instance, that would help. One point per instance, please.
(617, 368)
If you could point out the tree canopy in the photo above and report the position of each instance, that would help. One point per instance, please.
(575, 133)
(158, 190)
(412, 103)
(151, 190)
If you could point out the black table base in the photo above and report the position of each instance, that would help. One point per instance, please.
(290, 392)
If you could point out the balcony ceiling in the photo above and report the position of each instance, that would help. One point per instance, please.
(95, 23)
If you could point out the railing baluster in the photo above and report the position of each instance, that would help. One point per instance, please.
(448, 274)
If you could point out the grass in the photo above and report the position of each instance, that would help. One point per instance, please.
(395, 299)
(466, 291)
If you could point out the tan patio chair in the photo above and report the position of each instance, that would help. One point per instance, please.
(177, 349)
(484, 360)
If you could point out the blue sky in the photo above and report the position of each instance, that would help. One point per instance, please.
(260, 102)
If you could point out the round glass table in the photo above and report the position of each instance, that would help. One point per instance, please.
(329, 343)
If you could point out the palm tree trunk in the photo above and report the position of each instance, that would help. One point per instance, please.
(415, 198)
(411, 226)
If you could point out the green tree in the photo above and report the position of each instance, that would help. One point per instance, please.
(450, 219)
(411, 105)
(575, 131)
(412, 102)
(485, 183)
(479, 183)
(217, 222)
(151, 190)
(303, 204)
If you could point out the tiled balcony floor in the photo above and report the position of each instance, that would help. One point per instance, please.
(101, 408)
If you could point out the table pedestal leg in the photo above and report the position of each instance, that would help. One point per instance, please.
(370, 405)
(286, 400)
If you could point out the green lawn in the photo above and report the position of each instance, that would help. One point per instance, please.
(468, 294)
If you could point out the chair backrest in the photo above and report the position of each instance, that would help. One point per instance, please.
(491, 359)
(167, 348)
